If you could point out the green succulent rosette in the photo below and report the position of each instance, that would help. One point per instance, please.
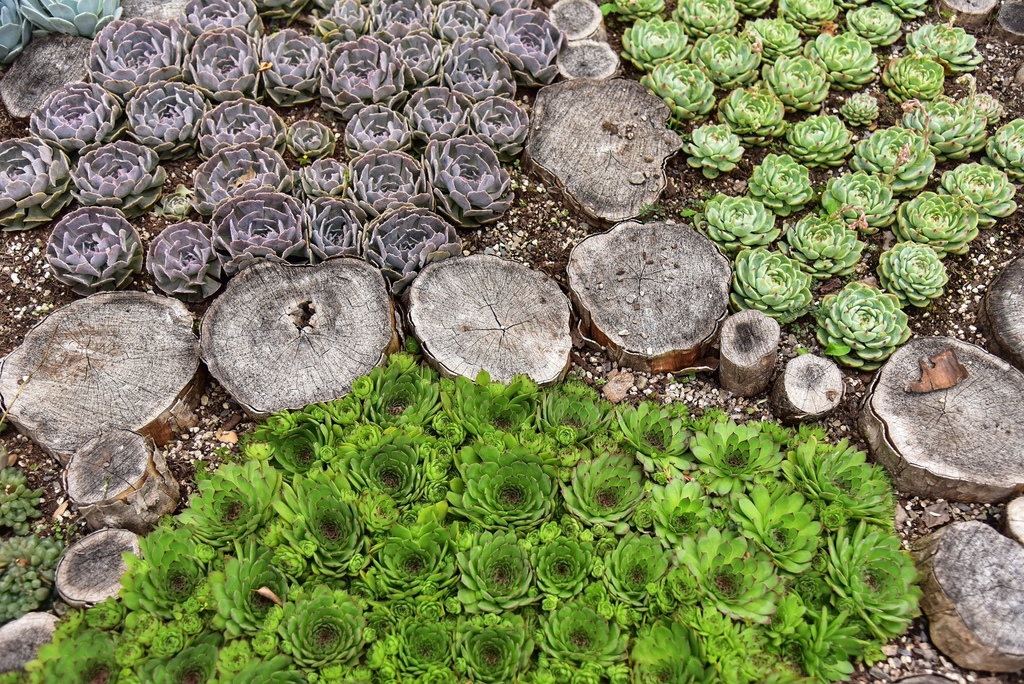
(729, 60)
(243, 593)
(496, 574)
(860, 109)
(753, 8)
(824, 247)
(954, 132)
(913, 77)
(808, 15)
(562, 566)
(684, 87)
(648, 42)
(680, 509)
(770, 282)
(986, 186)
(605, 490)
(196, 663)
(232, 503)
(659, 437)
(637, 562)
(847, 58)
(755, 114)
(863, 200)
(951, 46)
(412, 560)
(702, 18)
(573, 413)
(876, 24)
(482, 407)
(165, 573)
(901, 156)
(494, 652)
(733, 455)
(861, 326)
(946, 223)
(913, 272)
(393, 467)
(781, 184)
(986, 105)
(820, 140)
(778, 38)
(908, 9)
(1005, 150)
(670, 652)
(577, 633)
(425, 647)
(734, 223)
(714, 149)
(403, 394)
(634, 9)
(798, 82)
(782, 524)
(322, 628)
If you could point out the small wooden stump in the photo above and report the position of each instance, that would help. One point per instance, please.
(604, 143)
(1014, 520)
(1002, 314)
(578, 19)
(45, 65)
(970, 14)
(160, 10)
(961, 443)
(91, 569)
(925, 679)
(118, 480)
(484, 313)
(591, 59)
(973, 595)
(283, 337)
(749, 344)
(1009, 24)
(809, 388)
(653, 295)
(111, 361)
(20, 639)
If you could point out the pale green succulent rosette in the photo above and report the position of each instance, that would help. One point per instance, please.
(680, 510)
(729, 60)
(877, 24)
(954, 132)
(986, 105)
(847, 58)
(702, 18)
(808, 15)
(496, 574)
(649, 42)
(913, 77)
(636, 9)
(820, 140)
(986, 186)
(860, 194)
(908, 9)
(861, 326)
(798, 82)
(953, 47)
(778, 38)
(770, 282)
(734, 223)
(824, 247)
(946, 223)
(687, 90)
(860, 109)
(754, 114)
(782, 524)
(913, 272)
(1005, 150)
(753, 8)
(901, 156)
(714, 149)
(781, 184)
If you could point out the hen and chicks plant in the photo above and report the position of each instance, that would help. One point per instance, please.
(19, 505)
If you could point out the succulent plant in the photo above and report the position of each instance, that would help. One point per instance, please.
(782, 524)
(467, 181)
(730, 574)
(377, 127)
(860, 109)
(862, 199)
(781, 183)
(209, 15)
(946, 223)
(529, 42)
(165, 117)
(182, 261)
(502, 124)
(477, 70)
(164, 574)
(177, 205)
(778, 38)
(660, 440)
(225, 65)
(730, 61)
(322, 629)
(734, 223)
(345, 21)
(986, 105)
(27, 566)
(94, 249)
(649, 42)
(684, 87)
(235, 593)
(913, 272)
(861, 327)
(637, 562)
(403, 241)
(702, 18)
(335, 229)
(798, 82)
(18, 503)
(323, 178)
(503, 490)
(755, 114)
(456, 19)
(820, 140)
(954, 131)
(437, 113)
(714, 149)
(605, 490)
(899, 155)
(575, 632)
(986, 186)
(393, 19)
(285, 10)
(494, 653)
(1005, 149)
(670, 652)
(496, 574)
(361, 72)
(913, 77)
(381, 180)
(259, 224)
(293, 75)
(847, 59)
(240, 122)
(127, 55)
(876, 24)
(562, 566)
(907, 9)
(824, 247)
(808, 16)
(35, 182)
(308, 140)
(423, 54)
(770, 282)
(629, 10)
(73, 17)
(76, 116)
(412, 560)
(15, 31)
(236, 169)
(121, 174)
(732, 456)
(680, 509)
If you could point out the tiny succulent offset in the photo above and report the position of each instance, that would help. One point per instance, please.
(183, 263)
(714, 149)
(770, 282)
(913, 272)
(35, 183)
(734, 223)
(308, 140)
(781, 184)
(861, 326)
(94, 249)
(860, 109)
(403, 241)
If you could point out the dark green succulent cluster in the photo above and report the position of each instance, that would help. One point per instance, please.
(430, 531)
(18, 504)
(27, 564)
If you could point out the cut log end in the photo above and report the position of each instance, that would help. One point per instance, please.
(749, 346)
(970, 14)
(588, 59)
(578, 19)
(20, 639)
(1009, 24)
(90, 571)
(1015, 519)
(1002, 314)
(44, 66)
(809, 388)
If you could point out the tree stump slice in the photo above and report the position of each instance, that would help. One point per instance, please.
(111, 361)
(484, 313)
(809, 388)
(603, 143)
(283, 337)
(20, 639)
(970, 14)
(749, 346)
(973, 595)
(1002, 314)
(91, 569)
(588, 59)
(45, 65)
(578, 19)
(925, 679)
(652, 295)
(159, 10)
(118, 480)
(963, 443)
(1009, 24)
(1015, 519)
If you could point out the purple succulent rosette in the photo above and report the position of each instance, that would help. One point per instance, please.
(76, 116)
(361, 72)
(345, 21)
(438, 113)
(35, 181)
(477, 70)
(459, 19)
(122, 174)
(323, 178)
(207, 15)
(237, 123)
(377, 127)
(183, 263)
(127, 55)
(165, 117)
(295, 64)
(380, 180)
(502, 124)
(501, 6)
(392, 19)
(309, 140)
(94, 249)
(234, 170)
(467, 180)
(224, 64)
(423, 54)
(285, 10)
(259, 224)
(335, 229)
(530, 43)
(402, 241)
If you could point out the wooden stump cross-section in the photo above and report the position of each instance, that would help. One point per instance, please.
(1002, 314)
(809, 388)
(91, 569)
(749, 344)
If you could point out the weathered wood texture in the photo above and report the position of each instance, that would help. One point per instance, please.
(604, 143)
(749, 347)
(925, 679)
(970, 14)
(46, 64)
(578, 19)
(1014, 519)
(283, 337)
(588, 59)
(964, 443)
(653, 295)
(484, 313)
(91, 569)
(21, 638)
(161, 10)
(973, 595)
(1009, 23)
(1002, 314)
(810, 387)
(111, 361)
(118, 480)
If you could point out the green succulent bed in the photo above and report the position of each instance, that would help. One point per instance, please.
(434, 531)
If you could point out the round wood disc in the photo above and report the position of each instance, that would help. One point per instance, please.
(1003, 314)
(106, 466)
(91, 569)
(20, 639)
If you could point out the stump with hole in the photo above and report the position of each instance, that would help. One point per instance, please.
(118, 480)
(809, 388)
(1002, 314)
(91, 569)
(283, 337)
(749, 346)
(484, 313)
